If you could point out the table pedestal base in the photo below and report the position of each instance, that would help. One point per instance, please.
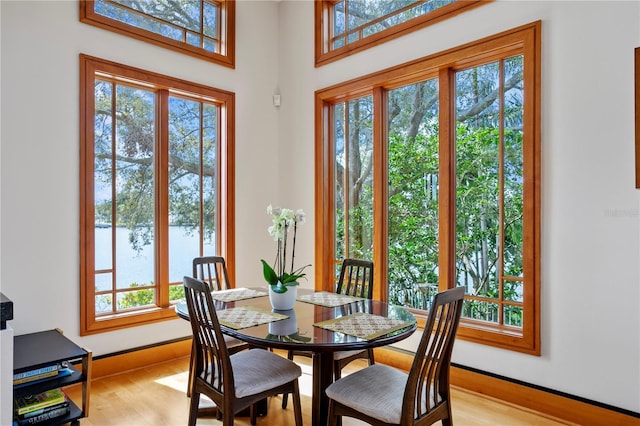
(322, 378)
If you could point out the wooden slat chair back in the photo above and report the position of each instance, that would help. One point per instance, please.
(213, 271)
(383, 395)
(356, 278)
(428, 387)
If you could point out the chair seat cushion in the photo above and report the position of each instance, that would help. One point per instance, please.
(337, 356)
(377, 391)
(258, 370)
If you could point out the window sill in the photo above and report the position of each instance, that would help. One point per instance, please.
(128, 319)
(502, 337)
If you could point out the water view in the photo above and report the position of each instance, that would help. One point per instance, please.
(138, 266)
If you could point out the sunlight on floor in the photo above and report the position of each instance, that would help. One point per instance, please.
(176, 381)
(306, 380)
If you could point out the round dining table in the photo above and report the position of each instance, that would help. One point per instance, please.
(302, 330)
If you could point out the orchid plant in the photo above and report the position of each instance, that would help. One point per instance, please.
(277, 276)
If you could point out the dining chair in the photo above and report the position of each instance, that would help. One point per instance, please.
(356, 279)
(383, 395)
(212, 270)
(233, 382)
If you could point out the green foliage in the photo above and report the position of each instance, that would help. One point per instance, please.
(488, 191)
(146, 296)
(280, 284)
(413, 216)
(135, 299)
(477, 201)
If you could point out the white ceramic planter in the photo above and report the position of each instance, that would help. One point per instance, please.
(283, 301)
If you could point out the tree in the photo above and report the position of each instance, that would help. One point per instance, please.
(172, 17)
(126, 152)
(488, 152)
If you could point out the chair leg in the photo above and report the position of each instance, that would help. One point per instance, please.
(448, 421)
(285, 396)
(219, 415)
(252, 413)
(227, 418)
(332, 418)
(194, 402)
(192, 366)
(297, 405)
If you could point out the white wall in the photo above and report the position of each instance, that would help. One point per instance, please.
(590, 210)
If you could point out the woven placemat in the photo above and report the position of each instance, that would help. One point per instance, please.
(363, 325)
(246, 316)
(235, 294)
(330, 300)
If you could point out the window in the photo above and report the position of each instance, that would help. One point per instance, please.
(344, 27)
(156, 161)
(204, 29)
(436, 178)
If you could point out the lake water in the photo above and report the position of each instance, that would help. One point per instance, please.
(138, 267)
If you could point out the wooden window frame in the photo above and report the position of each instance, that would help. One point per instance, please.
(323, 13)
(226, 57)
(525, 40)
(90, 323)
(637, 112)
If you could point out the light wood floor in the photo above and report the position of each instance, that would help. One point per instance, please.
(155, 396)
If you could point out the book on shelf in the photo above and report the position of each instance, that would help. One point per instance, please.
(35, 374)
(43, 414)
(40, 376)
(28, 403)
(44, 410)
(48, 414)
(66, 371)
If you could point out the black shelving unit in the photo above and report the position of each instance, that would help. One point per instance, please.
(36, 350)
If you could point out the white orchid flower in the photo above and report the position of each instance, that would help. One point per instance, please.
(282, 220)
